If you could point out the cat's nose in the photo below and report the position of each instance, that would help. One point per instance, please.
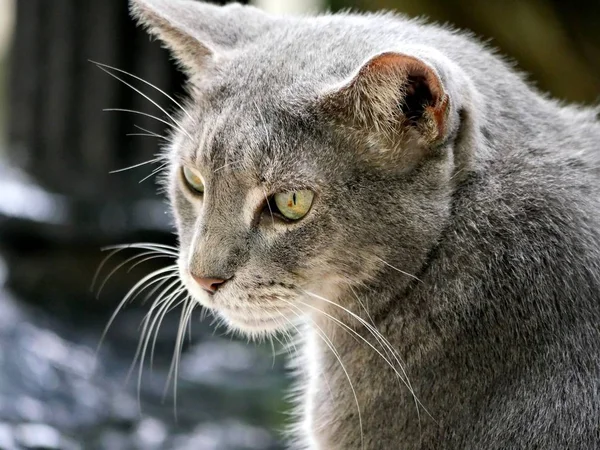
(208, 284)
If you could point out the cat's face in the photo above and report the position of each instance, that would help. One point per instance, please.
(295, 178)
(259, 201)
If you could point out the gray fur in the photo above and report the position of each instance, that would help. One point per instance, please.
(498, 217)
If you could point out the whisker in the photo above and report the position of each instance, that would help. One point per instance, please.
(155, 171)
(284, 346)
(169, 302)
(165, 294)
(168, 249)
(353, 332)
(189, 330)
(162, 304)
(150, 161)
(132, 111)
(264, 124)
(272, 351)
(401, 271)
(387, 347)
(145, 82)
(158, 136)
(362, 305)
(146, 327)
(269, 206)
(186, 313)
(168, 309)
(160, 282)
(113, 271)
(164, 111)
(155, 256)
(123, 302)
(101, 266)
(383, 341)
(288, 335)
(151, 133)
(227, 165)
(319, 331)
(203, 313)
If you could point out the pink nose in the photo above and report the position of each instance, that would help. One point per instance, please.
(208, 284)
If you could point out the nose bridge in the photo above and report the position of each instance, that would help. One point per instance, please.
(218, 239)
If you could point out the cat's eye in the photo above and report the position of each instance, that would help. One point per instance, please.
(294, 205)
(193, 180)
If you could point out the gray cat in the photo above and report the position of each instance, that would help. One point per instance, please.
(428, 222)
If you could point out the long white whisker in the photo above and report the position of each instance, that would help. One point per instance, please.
(151, 133)
(272, 351)
(132, 111)
(175, 122)
(387, 347)
(101, 266)
(269, 206)
(329, 344)
(155, 171)
(362, 305)
(147, 83)
(157, 136)
(160, 282)
(381, 339)
(186, 313)
(169, 307)
(264, 124)
(167, 249)
(147, 325)
(401, 271)
(128, 260)
(226, 165)
(123, 302)
(353, 332)
(288, 335)
(156, 256)
(150, 161)
(147, 331)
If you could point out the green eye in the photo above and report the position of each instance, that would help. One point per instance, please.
(193, 180)
(294, 205)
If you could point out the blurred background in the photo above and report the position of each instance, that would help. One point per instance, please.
(59, 205)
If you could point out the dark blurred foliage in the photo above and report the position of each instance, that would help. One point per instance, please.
(557, 42)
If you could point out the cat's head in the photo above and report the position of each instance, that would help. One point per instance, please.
(312, 159)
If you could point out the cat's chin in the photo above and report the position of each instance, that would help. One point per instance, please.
(252, 326)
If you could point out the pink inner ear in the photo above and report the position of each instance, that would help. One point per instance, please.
(390, 63)
(405, 67)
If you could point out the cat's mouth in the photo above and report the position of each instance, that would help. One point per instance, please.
(238, 314)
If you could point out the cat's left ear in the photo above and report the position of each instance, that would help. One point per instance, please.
(396, 97)
(198, 33)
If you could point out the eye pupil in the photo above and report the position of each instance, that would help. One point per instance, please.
(292, 205)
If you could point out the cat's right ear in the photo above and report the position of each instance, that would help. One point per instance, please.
(399, 101)
(198, 33)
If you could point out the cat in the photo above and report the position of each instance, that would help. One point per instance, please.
(395, 193)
